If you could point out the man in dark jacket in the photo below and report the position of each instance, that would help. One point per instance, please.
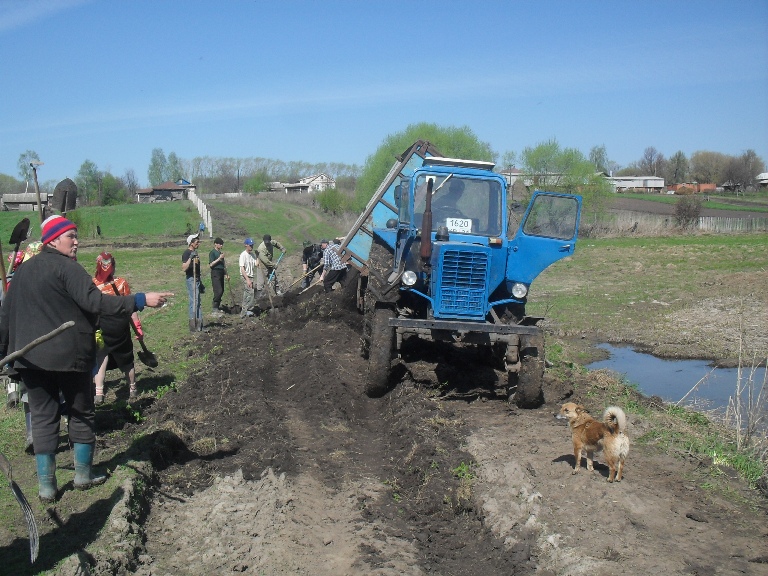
(311, 262)
(50, 289)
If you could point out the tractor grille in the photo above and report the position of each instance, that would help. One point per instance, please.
(463, 283)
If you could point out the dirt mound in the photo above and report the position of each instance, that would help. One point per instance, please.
(283, 466)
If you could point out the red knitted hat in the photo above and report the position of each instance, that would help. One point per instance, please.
(55, 226)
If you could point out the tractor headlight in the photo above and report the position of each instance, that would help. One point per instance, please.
(409, 278)
(519, 290)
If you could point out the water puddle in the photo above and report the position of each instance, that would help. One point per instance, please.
(673, 379)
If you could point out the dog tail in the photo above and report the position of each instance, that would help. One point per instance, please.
(615, 418)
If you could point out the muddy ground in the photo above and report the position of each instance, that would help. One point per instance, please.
(271, 460)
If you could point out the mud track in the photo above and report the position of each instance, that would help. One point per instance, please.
(272, 461)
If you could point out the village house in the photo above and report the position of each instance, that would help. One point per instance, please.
(315, 183)
(697, 187)
(165, 192)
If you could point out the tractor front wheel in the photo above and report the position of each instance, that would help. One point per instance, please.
(530, 378)
(380, 346)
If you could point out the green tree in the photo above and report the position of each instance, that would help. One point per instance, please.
(9, 185)
(158, 167)
(708, 166)
(256, 183)
(450, 141)
(87, 180)
(556, 169)
(25, 170)
(508, 160)
(599, 158)
(173, 170)
(677, 169)
(332, 201)
(113, 191)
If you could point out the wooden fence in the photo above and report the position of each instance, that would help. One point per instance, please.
(717, 224)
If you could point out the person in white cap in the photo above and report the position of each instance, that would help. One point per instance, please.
(249, 266)
(190, 265)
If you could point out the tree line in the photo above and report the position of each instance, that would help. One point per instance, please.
(547, 164)
(736, 172)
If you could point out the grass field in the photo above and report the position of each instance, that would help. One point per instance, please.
(757, 202)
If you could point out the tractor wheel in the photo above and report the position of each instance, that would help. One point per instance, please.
(530, 383)
(530, 378)
(380, 345)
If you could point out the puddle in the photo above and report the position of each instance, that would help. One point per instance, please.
(673, 379)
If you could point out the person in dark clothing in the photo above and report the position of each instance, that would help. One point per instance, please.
(49, 290)
(218, 274)
(311, 258)
(117, 351)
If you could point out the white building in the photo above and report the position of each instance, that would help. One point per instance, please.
(637, 183)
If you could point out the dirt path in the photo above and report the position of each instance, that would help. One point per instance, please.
(274, 462)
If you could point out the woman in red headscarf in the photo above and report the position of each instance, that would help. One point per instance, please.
(117, 351)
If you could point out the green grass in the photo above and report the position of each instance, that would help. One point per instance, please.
(632, 288)
(755, 203)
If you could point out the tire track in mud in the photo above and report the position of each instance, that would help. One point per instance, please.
(331, 482)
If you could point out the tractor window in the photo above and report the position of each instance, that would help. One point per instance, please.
(552, 217)
(405, 204)
(468, 205)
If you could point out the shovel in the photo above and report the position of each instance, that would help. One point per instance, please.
(274, 269)
(34, 539)
(19, 234)
(147, 358)
(235, 308)
(315, 269)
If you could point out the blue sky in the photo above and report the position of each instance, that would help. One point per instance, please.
(327, 81)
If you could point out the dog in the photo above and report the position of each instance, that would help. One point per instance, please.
(591, 435)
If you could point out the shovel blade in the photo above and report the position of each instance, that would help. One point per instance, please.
(148, 359)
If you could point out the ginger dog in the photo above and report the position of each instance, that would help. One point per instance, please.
(591, 435)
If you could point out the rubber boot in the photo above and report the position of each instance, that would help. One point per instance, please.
(84, 477)
(46, 477)
(192, 325)
(29, 447)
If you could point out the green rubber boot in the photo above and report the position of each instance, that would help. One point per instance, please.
(84, 477)
(46, 477)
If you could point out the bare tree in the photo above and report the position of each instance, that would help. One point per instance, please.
(652, 161)
(131, 184)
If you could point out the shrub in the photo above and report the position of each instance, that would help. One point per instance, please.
(687, 211)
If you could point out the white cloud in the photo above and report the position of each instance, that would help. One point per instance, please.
(18, 13)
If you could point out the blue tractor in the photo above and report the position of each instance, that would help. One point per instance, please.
(439, 260)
